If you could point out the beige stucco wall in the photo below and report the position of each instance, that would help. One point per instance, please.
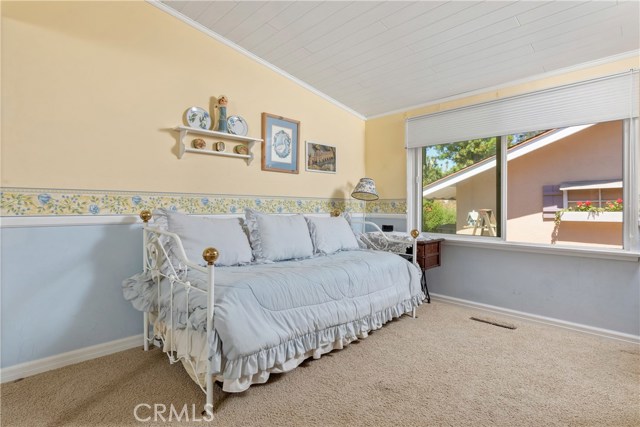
(90, 91)
(592, 154)
(474, 194)
(385, 135)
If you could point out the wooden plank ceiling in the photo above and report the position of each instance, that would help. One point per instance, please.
(377, 57)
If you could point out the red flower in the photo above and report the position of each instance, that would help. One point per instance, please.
(588, 203)
(579, 204)
(619, 201)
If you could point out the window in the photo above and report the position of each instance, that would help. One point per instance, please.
(459, 188)
(598, 194)
(572, 182)
(562, 184)
(460, 182)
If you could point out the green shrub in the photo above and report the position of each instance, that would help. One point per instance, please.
(435, 214)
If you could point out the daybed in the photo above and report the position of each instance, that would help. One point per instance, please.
(287, 287)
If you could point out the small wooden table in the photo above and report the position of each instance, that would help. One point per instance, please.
(428, 257)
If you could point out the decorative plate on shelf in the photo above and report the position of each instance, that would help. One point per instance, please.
(197, 117)
(237, 126)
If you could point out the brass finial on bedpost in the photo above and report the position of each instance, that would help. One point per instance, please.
(145, 215)
(415, 233)
(210, 255)
(336, 213)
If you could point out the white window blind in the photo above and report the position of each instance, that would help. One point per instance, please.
(599, 100)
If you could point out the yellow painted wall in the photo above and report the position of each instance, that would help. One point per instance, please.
(386, 156)
(91, 89)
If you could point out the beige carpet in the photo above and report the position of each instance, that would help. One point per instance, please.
(440, 369)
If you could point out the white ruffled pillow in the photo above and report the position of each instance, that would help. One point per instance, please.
(330, 235)
(278, 237)
(198, 233)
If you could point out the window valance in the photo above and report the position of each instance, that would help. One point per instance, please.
(599, 100)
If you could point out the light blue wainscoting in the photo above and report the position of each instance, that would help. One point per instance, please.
(600, 293)
(61, 288)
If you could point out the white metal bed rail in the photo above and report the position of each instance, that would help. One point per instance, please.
(155, 255)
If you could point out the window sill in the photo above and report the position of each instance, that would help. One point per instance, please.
(496, 244)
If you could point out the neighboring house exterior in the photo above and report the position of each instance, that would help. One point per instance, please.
(545, 174)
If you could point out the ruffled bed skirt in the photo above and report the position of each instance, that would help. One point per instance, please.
(239, 374)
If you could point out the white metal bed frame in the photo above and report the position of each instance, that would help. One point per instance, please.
(155, 253)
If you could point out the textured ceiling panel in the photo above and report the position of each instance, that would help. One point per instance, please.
(376, 57)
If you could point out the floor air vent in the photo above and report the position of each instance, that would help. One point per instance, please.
(494, 322)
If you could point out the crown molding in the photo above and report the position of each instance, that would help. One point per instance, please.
(243, 51)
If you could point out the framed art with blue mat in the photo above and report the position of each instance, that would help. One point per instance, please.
(280, 138)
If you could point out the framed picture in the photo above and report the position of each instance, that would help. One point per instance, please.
(280, 143)
(320, 157)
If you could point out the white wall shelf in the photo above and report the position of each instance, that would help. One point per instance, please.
(248, 141)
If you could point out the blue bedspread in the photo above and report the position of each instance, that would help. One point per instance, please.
(266, 314)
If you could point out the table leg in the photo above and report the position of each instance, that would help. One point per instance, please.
(425, 288)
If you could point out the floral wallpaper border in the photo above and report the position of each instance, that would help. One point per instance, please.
(387, 206)
(50, 202)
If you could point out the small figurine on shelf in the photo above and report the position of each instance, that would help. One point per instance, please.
(222, 121)
(241, 149)
(199, 143)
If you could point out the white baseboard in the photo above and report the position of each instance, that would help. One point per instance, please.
(635, 339)
(34, 367)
